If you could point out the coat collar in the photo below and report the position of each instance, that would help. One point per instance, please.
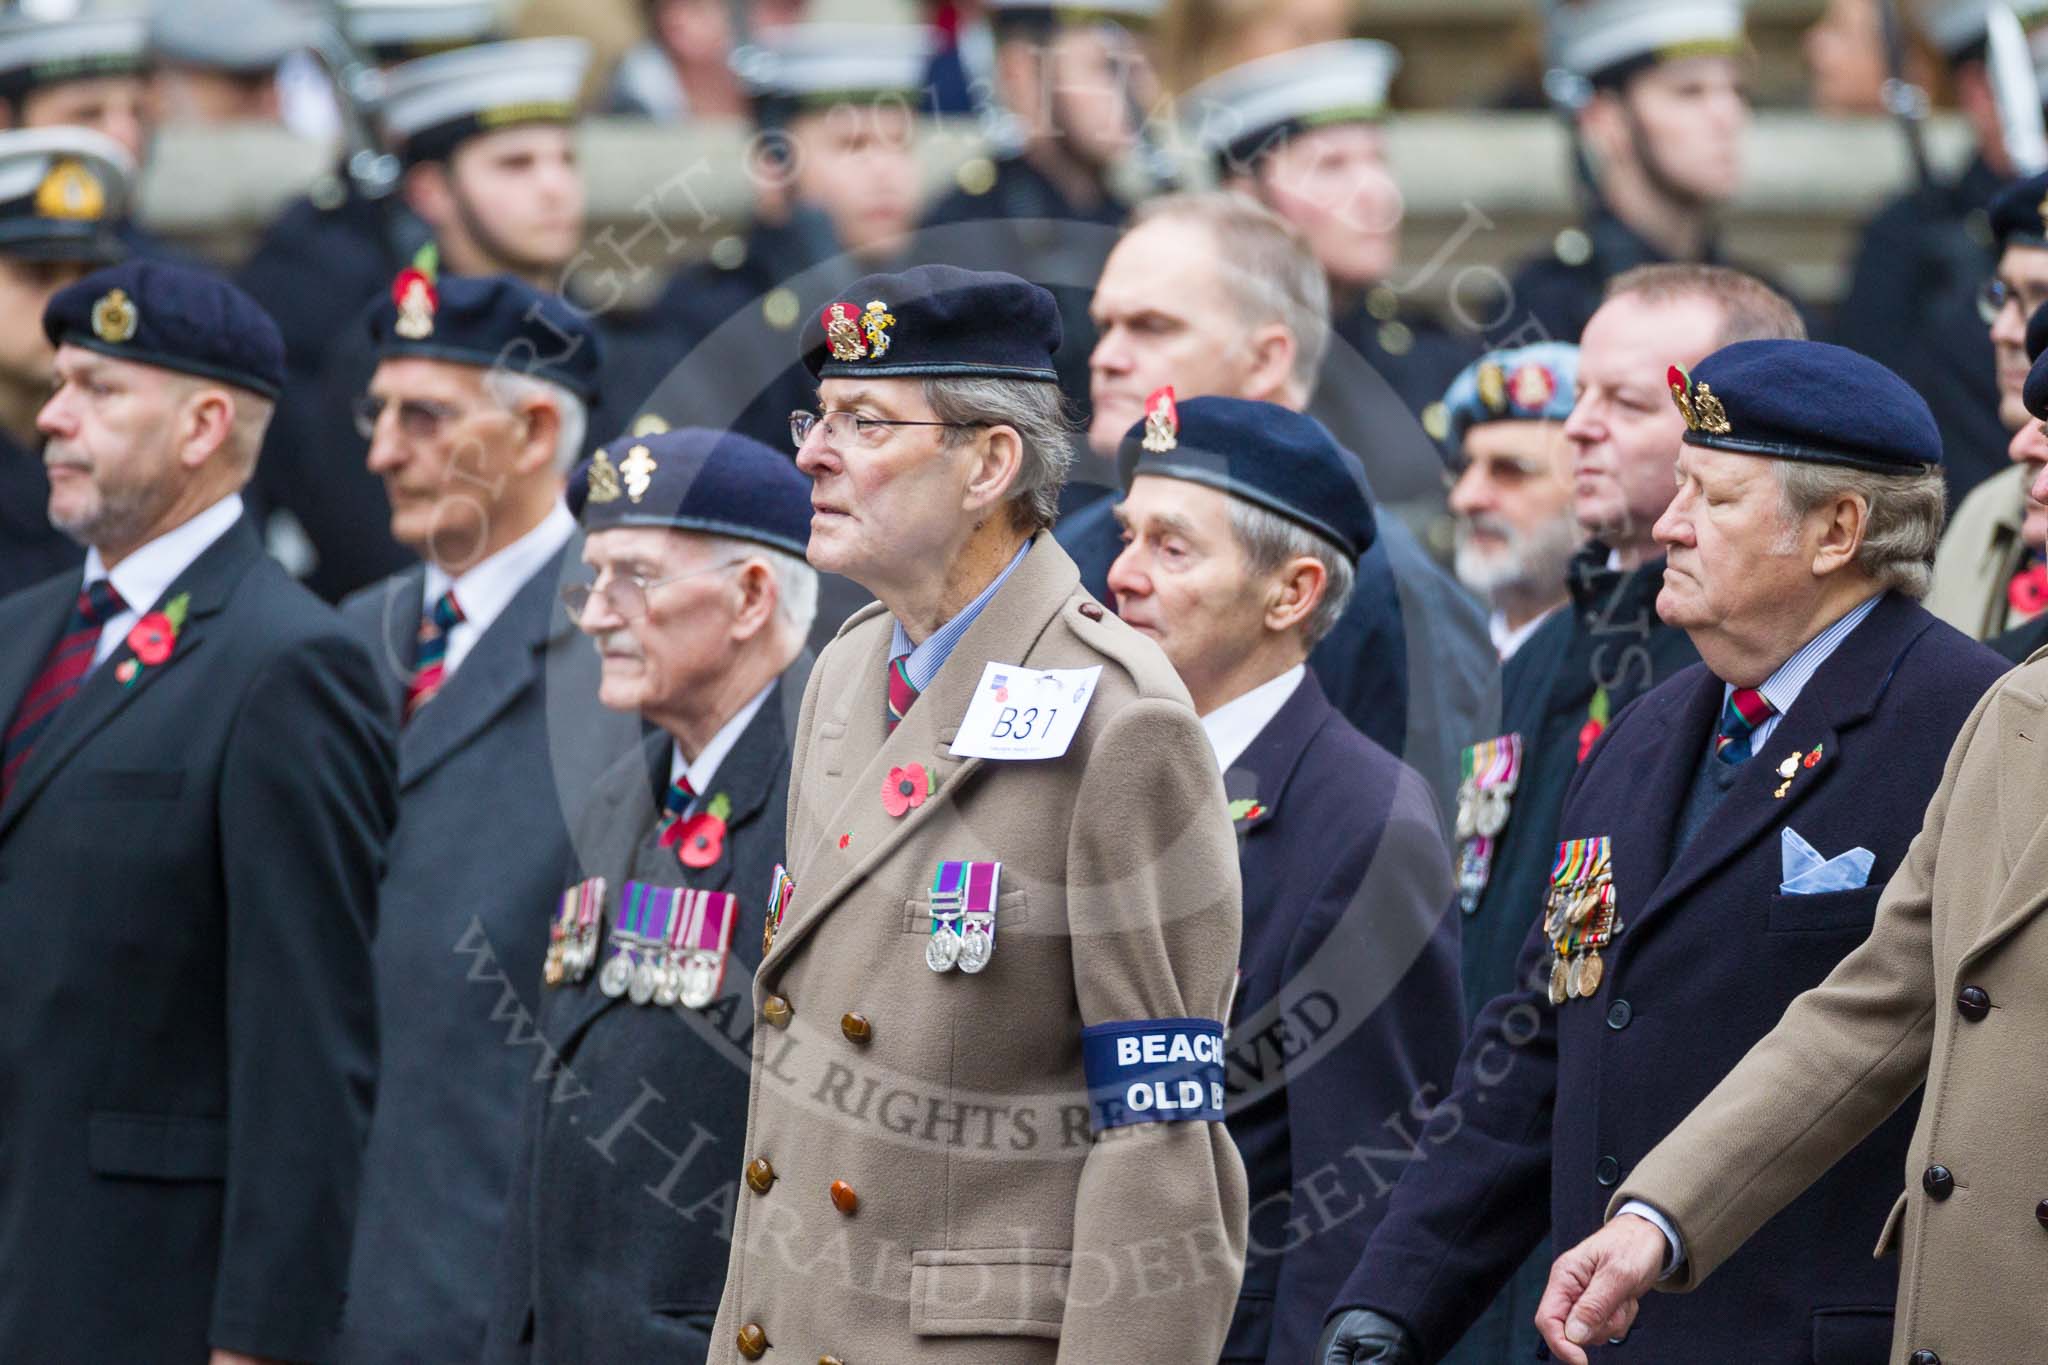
(210, 580)
(1268, 764)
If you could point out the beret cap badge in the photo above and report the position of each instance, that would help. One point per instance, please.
(1162, 421)
(858, 335)
(1533, 386)
(1493, 389)
(71, 193)
(638, 467)
(604, 479)
(114, 318)
(416, 298)
(1697, 404)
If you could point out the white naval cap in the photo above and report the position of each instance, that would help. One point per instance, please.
(434, 103)
(814, 63)
(249, 36)
(1237, 112)
(1119, 11)
(36, 52)
(396, 29)
(1595, 38)
(63, 192)
(1958, 26)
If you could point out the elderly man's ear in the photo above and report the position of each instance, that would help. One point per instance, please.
(1297, 588)
(998, 457)
(1846, 522)
(540, 435)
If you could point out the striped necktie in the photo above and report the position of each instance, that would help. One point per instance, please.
(901, 692)
(430, 667)
(63, 673)
(1746, 710)
(680, 795)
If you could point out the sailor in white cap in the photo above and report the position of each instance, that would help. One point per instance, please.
(216, 61)
(83, 71)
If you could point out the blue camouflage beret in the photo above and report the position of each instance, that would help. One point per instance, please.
(1806, 400)
(492, 321)
(1273, 457)
(173, 317)
(1521, 384)
(935, 320)
(2019, 214)
(696, 479)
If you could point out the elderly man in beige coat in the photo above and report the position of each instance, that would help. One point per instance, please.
(1951, 992)
(985, 1114)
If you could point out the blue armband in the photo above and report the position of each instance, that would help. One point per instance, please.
(1153, 1071)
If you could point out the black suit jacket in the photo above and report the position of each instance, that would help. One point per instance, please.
(187, 1047)
(488, 772)
(1563, 1101)
(634, 1124)
(1347, 1022)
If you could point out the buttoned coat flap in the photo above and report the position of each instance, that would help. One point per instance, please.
(1896, 1219)
(1013, 911)
(1005, 1292)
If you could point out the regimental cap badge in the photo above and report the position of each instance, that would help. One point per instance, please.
(1162, 421)
(604, 479)
(415, 296)
(858, 334)
(1493, 388)
(2043, 212)
(874, 325)
(1697, 404)
(1533, 386)
(114, 318)
(71, 193)
(638, 467)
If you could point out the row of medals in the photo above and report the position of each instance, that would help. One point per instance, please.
(570, 955)
(643, 970)
(952, 945)
(1589, 905)
(1482, 811)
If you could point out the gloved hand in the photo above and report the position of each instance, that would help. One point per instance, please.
(1359, 1336)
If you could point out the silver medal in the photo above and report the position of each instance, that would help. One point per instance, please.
(699, 980)
(976, 948)
(640, 989)
(1492, 815)
(667, 980)
(943, 951)
(617, 975)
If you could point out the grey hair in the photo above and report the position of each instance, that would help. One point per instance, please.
(1269, 541)
(513, 387)
(1905, 514)
(1030, 407)
(1266, 266)
(796, 582)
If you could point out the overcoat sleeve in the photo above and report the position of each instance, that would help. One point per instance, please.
(308, 799)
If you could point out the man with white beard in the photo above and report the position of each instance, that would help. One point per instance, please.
(1503, 430)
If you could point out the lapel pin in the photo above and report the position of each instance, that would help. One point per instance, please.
(1791, 767)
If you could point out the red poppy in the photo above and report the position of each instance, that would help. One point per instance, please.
(1813, 759)
(1588, 734)
(844, 840)
(152, 638)
(702, 842)
(905, 789)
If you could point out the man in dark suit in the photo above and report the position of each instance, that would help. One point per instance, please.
(1721, 849)
(631, 1143)
(198, 789)
(1408, 661)
(1244, 522)
(494, 696)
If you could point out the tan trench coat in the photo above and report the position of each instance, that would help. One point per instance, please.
(1950, 989)
(988, 1225)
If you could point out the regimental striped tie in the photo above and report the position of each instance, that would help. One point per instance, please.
(901, 692)
(430, 666)
(63, 673)
(680, 795)
(1747, 709)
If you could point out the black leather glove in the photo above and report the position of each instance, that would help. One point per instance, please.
(1359, 1336)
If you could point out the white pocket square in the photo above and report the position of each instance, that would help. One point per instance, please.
(1806, 873)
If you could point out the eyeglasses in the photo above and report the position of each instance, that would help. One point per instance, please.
(419, 419)
(843, 428)
(1996, 294)
(627, 593)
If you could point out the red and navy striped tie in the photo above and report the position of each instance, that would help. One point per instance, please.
(430, 665)
(62, 675)
(680, 795)
(1747, 708)
(901, 692)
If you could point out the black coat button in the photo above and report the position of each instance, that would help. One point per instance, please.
(2041, 1213)
(1608, 1171)
(1923, 1358)
(1618, 1015)
(1973, 1003)
(1939, 1182)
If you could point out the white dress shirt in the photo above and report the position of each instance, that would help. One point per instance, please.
(1232, 726)
(147, 574)
(1507, 639)
(704, 771)
(485, 589)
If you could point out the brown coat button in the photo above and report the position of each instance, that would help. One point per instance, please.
(1091, 611)
(1939, 1182)
(753, 1341)
(843, 1197)
(856, 1027)
(830, 1360)
(1973, 1003)
(776, 1010)
(760, 1175)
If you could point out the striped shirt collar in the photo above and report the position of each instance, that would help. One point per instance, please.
(1783, 687)
(925, 660)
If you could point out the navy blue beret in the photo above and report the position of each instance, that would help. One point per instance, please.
(935, 320)
(2017, 214)
(172, 317)
(1273, 457)
(1806, 400)
(492, 321)
(2035, 392)
(2037, 333)
(696, 479)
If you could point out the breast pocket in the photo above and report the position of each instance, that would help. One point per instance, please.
(129, 784)
(1826, 911)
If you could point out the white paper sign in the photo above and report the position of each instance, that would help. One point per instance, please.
(1022, 713)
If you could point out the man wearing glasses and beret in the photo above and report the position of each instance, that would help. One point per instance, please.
(493, 694)
(985, 1119)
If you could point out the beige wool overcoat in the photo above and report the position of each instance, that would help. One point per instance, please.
(1951, 989)
(923, 1184)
